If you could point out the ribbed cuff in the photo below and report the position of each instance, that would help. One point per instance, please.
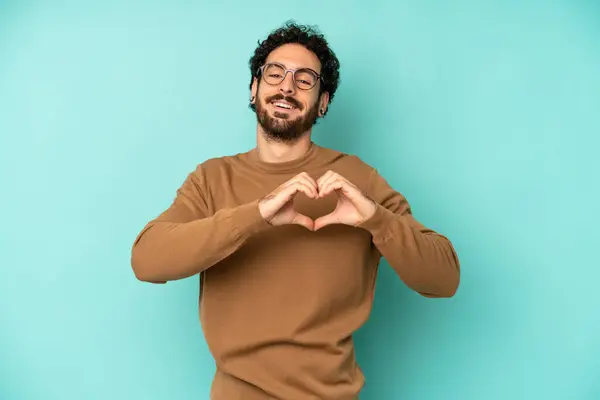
(379, 225)
(248, 220)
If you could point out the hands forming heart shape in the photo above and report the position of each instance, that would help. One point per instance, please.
(352, 208)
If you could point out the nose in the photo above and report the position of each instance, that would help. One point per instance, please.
(287, 86)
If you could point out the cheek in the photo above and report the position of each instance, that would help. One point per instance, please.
(314, 102)
(265, 94)
(308, 100)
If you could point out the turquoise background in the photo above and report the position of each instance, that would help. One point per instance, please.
(484, 114)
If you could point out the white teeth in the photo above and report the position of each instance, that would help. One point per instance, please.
(284, 105)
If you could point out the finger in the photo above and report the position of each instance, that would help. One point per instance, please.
(324, 177)
(347, 189)
(333, 177)
(325, 220)
(294, 188)
(303, 220)
(307, 176)
(307, 180)
(296, 178)
(325, 182)
(329, 187)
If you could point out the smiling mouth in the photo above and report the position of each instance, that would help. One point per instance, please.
(283, 105)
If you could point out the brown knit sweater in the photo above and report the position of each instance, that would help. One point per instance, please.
(279, 305)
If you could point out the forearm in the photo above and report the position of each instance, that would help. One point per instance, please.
(167, 250)
(425, 260)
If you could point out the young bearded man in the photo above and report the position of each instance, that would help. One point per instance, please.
(287, 238)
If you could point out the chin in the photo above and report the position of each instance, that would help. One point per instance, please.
(285, 117)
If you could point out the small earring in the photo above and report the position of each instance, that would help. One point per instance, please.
(321, 111)
(251, 99)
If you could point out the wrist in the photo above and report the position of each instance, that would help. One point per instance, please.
(370, 209)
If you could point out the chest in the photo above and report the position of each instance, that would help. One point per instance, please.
(233, 189)
(333, 262)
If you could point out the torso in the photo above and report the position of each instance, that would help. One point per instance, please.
(288, 301)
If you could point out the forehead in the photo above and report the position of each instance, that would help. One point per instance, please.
(293, 56)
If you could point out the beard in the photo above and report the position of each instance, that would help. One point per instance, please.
(280, 127)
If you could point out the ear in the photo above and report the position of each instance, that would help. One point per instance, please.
(323, 102)
(254, 90)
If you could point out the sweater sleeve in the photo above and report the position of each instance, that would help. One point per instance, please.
(425, 260)
(185, 239)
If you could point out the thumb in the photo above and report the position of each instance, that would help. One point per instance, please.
(301, 219)
(325, 220)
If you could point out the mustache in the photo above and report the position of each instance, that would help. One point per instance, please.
(290, 100)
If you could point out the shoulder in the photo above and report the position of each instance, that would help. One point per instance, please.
(345, 158)
(349, 165)
(216, 167)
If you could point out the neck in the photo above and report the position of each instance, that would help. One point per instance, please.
(273, 151)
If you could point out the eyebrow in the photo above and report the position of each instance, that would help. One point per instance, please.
(286, 67)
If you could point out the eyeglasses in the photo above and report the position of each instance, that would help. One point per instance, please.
(304, 78)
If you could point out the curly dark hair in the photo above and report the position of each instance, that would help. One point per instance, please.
(309, 37)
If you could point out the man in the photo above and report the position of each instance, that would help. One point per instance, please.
(287, 239)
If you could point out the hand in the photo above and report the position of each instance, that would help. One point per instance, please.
(352, 207)
(277, 208)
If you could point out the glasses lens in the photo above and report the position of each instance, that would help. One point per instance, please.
(305, 79)
(273, 74)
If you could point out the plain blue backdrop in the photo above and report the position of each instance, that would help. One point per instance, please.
(484, 114)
